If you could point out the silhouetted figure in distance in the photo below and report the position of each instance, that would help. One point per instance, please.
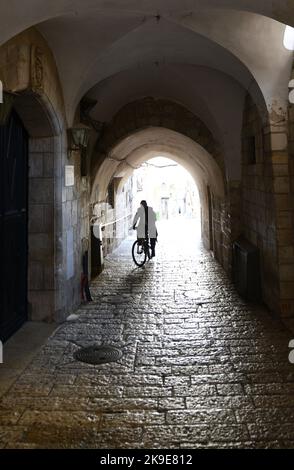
(147, 224)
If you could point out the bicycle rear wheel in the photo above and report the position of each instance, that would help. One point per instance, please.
(139, 254)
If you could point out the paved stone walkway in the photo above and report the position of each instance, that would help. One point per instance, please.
(200, 368)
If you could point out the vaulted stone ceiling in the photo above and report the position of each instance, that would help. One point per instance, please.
(93, 41)
(91, 48)
(16, 18)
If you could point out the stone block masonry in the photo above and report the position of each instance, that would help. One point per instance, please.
(202, 372)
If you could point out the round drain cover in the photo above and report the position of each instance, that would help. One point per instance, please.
(98, 354)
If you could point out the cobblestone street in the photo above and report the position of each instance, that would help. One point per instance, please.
(200, 368)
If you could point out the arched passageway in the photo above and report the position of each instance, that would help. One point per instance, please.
(170, 130)
(131, 152)
(173, 194)
(174, 71)
(100, 88)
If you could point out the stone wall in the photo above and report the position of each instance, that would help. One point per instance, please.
(120, 212)
(283, 165)
(74, 208)
(41, 281)
(258, 205)
(222, 227)
(58, 214)
(268, 205)
(206, 217)
(27, 65)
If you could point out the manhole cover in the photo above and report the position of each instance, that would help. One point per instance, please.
(98, 354)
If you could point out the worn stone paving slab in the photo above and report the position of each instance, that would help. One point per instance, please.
(200, 367)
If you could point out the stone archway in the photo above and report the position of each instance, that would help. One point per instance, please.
(151, 112)
(154, 126)
(28, 71)
(41, 202)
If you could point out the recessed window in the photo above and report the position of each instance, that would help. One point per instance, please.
(289, 38)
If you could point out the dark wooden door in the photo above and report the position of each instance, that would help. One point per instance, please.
(13, 225)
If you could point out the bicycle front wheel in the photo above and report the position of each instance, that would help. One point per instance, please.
(139, 254)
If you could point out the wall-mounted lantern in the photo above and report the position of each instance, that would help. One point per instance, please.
(78, 137)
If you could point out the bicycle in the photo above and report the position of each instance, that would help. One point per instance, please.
(141, 251)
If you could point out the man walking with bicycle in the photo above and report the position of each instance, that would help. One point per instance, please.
(147, 225)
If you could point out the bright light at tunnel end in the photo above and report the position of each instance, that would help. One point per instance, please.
(289, 38)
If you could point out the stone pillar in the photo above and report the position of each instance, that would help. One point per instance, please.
(282, 142)
(41, 230)
(231, 222)
(262, 148)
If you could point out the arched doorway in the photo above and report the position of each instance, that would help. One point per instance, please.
(13, 225)
(29, 143)
(43, 158)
